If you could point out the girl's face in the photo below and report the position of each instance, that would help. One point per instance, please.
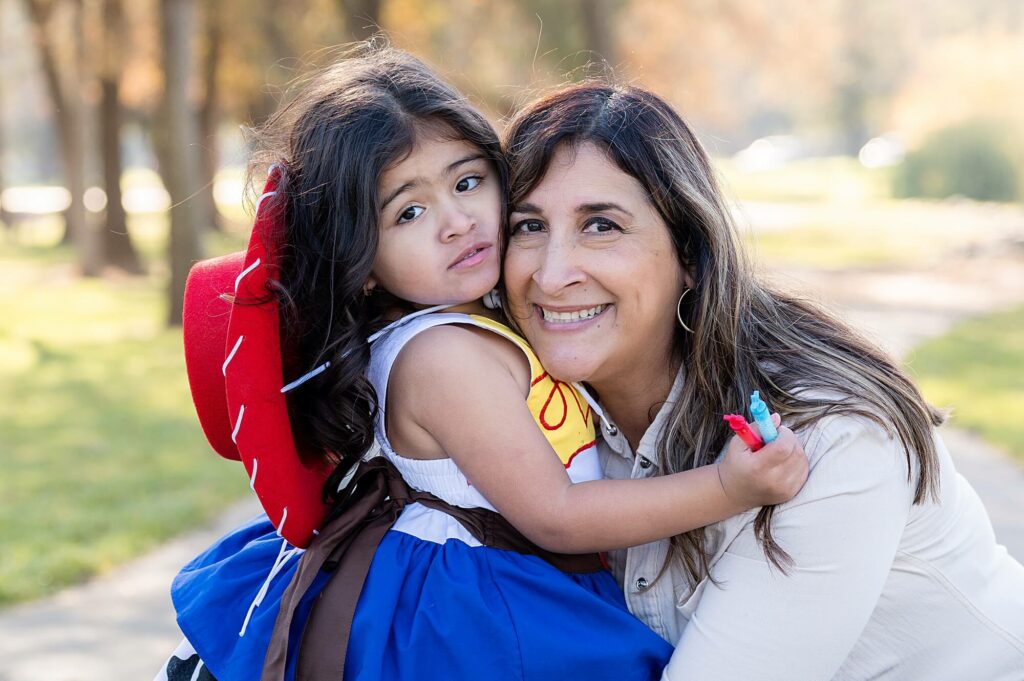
(591, 273)
(439, 224)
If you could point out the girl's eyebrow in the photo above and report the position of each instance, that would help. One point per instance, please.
(394, 195)
(452, 167)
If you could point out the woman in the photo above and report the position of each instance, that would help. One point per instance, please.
(885, 564)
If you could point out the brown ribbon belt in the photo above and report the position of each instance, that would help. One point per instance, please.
(370, 505)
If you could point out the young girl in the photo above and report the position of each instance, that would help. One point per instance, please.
(389, 203)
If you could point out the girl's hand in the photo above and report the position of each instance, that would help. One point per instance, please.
(771, 475)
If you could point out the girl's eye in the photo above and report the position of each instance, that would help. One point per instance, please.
(410, 213)
(528, 227)
(468, 183)
(601, 226)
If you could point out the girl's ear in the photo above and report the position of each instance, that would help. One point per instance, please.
(371, 283)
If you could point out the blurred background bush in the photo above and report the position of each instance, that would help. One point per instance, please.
(976, 159)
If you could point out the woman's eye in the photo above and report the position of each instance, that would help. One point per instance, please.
(410, 213)
(528, 227)
(468, 183)
(601, 226)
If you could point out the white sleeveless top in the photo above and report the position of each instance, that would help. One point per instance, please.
(569, 427)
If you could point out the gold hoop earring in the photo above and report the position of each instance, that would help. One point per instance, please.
(679, 314)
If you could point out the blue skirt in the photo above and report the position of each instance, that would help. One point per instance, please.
(437, 609)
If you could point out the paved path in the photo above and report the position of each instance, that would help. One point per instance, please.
(121, 626)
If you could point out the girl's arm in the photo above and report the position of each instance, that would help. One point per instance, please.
(452, 386)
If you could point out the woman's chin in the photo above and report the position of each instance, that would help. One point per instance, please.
(568, 365)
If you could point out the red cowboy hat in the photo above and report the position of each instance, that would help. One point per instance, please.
(234, 365)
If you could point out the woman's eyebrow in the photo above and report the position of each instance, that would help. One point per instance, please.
(526, 208)
(601, 207)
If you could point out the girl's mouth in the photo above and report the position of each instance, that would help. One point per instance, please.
(471, 257)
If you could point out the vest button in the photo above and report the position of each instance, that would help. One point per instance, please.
(645, 462)
(641, 584)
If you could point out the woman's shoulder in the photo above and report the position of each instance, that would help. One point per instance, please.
(839, 424)
(854, 454)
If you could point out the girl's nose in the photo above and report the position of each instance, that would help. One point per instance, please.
(456, 223)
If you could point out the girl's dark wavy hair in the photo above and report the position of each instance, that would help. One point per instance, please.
(807, 363)
(345, 126)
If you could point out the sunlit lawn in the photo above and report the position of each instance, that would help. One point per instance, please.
(832, 213)
(895, 234)
(102, 455)
(978, 370)
(830, 179)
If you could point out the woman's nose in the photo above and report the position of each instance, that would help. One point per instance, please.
(557, 269)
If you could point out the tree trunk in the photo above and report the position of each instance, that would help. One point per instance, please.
(68, 110)
(596, 20)
(182, 165)
(362, 17)
(263, 103)
(209, 115)
(5, 217)
(117, 242)
(852, 89)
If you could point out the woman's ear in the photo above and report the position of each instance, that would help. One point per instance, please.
(369, 286)
(688, 279)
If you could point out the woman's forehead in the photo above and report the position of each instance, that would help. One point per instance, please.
(578, 176)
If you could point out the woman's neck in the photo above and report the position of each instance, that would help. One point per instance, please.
(633, 402)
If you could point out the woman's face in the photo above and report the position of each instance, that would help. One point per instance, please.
(591, 273)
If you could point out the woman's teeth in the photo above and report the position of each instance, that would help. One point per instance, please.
(574, 316)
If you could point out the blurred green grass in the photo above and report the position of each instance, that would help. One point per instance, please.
(978, 370)
(103, 456)
(830, 179)
(890, 234)
(833, 213)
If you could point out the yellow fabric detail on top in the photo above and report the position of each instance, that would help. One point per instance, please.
(559, 409)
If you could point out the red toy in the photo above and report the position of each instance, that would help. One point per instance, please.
(740, 426)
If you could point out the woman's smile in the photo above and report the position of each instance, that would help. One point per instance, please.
(570, 318)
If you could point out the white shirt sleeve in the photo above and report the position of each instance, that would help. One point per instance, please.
(842, 531)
